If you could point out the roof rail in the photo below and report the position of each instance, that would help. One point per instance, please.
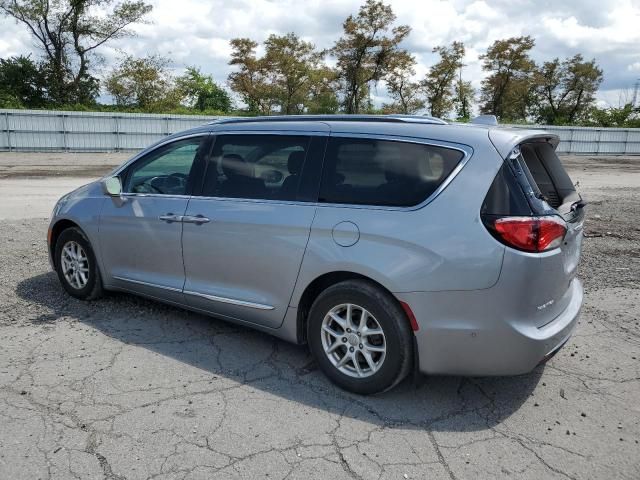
(333, 118)
(417, 119)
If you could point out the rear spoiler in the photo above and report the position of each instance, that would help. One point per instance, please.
(505, 139)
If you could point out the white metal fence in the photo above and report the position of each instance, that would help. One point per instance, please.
(46, 130)
(594, 140)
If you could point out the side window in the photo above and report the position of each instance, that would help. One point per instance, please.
(382, 172)
(165, 170)
(256, 166)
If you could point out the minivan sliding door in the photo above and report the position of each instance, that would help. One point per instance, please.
(245, 236)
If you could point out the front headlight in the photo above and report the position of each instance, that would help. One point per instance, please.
(58, 206)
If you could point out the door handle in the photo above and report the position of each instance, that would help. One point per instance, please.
(170, 218)
(197, 219)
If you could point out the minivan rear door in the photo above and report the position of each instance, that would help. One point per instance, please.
(245, 235)
(552, 193)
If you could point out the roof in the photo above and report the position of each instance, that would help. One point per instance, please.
(504, 139)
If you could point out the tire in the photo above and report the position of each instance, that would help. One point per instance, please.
(88, 284)
(386, 369)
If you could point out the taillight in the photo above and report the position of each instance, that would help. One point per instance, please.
(530, 234)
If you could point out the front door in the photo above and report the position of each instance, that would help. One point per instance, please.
(245, 236)
(141, 233)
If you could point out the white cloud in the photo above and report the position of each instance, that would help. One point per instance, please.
(197, 32)
(621, 30)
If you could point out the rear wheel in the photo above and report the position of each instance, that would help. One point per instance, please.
(360, 337)
(76, 265)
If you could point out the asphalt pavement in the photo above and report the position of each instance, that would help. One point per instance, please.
(125, 388)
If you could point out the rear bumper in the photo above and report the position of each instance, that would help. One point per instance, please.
(466, 333)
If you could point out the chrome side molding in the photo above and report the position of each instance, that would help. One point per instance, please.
(147, 284)
(232, 301)
(213, 298)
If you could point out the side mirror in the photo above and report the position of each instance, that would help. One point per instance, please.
(112, 186)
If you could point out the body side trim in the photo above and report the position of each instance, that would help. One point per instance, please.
(232, 301)
(147, 284)
(214, 298)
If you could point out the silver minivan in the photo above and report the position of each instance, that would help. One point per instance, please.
(386, 243)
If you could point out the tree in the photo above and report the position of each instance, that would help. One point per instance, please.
(143, 83)
(22, 83)
(405, 93)
(366, 50)
(625, 116)
(566, 89)
(323, 88)
(290, 78)
(68, 32)
(201, 92)
(250, 81)
(438, 83)
(463, 98)
(290, 63)
(507, 91)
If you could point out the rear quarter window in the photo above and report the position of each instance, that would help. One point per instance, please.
(382, 172)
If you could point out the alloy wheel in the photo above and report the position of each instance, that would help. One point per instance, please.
(75, 265)
(353, 340)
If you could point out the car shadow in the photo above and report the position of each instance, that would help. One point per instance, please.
(245, 356)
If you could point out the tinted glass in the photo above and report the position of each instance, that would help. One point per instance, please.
(256, 166)
(540, 175)
(380, 172)
(505, 197)
(165, 170)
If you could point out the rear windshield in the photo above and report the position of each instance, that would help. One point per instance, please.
(381, 172)
(547, 174)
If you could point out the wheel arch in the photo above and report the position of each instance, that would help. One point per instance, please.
(54, 233)
(316, 287)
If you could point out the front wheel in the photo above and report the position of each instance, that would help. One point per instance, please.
(360, 337)
(76, 265)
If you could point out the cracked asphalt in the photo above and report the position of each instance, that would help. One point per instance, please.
(125, 388)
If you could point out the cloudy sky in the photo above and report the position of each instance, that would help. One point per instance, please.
(197, 32)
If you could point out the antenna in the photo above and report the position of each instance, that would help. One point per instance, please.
(635, 94)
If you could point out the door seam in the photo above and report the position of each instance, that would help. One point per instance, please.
(304, 254)
(184, 268)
